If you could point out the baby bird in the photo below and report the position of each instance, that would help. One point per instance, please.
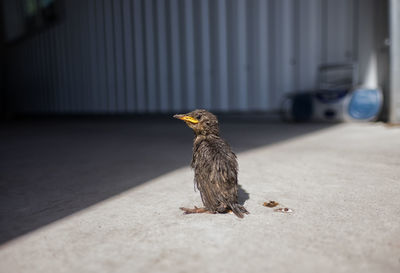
(215, 166)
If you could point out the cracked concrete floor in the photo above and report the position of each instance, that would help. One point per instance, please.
(342, 182)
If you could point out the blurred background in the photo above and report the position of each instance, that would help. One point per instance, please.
(128, 57)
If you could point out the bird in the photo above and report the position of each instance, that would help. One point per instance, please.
(215, 166)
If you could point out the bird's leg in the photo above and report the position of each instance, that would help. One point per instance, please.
(195, 210)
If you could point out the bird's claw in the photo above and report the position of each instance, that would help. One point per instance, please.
(185, 210)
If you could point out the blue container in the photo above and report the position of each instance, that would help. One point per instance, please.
(365, 104)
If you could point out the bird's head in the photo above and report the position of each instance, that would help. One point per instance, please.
(201, 121)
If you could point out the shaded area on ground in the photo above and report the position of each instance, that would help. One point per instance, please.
(51, 168)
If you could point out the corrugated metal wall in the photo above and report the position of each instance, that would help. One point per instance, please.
(172, 55)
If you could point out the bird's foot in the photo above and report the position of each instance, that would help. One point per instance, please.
(195, 210)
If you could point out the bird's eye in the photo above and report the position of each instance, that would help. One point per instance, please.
(198, 116)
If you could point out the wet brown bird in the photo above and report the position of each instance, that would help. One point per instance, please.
(215, 166)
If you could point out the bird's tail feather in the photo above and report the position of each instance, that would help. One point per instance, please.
(238, 210)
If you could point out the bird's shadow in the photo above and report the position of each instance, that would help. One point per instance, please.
(243, 195)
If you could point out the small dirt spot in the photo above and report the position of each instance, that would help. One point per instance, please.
(273, 204)
(283, 210)
(270, 204)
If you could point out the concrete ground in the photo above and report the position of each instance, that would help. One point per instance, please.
(103, 196)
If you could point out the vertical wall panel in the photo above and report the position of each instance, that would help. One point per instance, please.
(252, 29)
(37, 88)
(53, 72)
(309, 43)
(30, 79)
(13, 78)
(339, 30)
(205, 54)
(175, 55)
(118, 56)
(56, 69)
(85, 56)
(101, 61)
(394, 21)
(69, 58)
(162, 56)
(189, 57)
(92, 48)
(64, 70)
(139, 55)
(46, 73)
(272, 94)
(242, 55)
(222, 56)
(283, 61)
(171, 55)
(78, 62)
(110, 54)
(232, 51)
(128, 60)
(263, 58)
(368, 73)
(150, 60)
(257, 52)
(42, 73)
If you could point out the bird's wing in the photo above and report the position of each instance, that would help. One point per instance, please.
(217, 172)
(224, 175)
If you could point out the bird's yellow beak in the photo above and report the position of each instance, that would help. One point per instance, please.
(187, 118)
